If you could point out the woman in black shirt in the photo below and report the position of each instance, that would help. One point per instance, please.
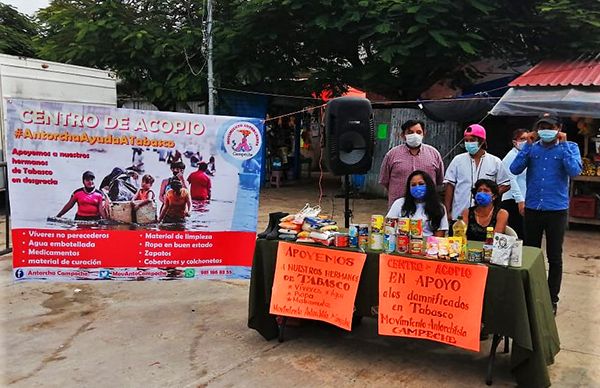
(486, 212)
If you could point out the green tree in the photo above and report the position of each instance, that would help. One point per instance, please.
(16, 32)
(394, 47)
(155, 47)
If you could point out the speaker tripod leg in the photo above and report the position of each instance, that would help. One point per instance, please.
(347, 210)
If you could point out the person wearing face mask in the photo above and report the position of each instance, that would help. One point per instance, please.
(486, 212)
(412, 155)
(513, 201)
(550, 162)
(467, 168)
(91, 202)
(422, 202)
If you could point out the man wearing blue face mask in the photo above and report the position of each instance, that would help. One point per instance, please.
(549, 163)
(467, 168)
(513, 201)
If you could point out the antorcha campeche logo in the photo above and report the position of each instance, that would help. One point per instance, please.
(242, 140)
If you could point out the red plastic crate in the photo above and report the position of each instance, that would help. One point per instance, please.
(583, 206)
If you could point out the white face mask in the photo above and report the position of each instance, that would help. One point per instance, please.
(414, 140)
(519, 145)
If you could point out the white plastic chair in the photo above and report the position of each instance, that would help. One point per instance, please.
(510, 231)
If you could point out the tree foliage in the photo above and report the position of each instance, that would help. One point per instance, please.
(394, 47)
(16, 32)
(398, 47)
(155, 47)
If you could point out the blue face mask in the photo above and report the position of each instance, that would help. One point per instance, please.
(418, 192)
(547, 135)
(472, 147)
(483, 199)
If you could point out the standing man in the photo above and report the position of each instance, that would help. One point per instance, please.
(467, 168)
(513, 200)
(405, 158)
(549, 163)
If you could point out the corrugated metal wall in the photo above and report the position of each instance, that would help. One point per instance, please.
(441, 135)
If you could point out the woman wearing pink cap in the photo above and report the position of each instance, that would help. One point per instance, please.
(467, 168)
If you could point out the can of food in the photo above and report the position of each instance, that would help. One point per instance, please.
(341, 240)
(376, 241)
(416, 247)
(377, 223)
(389, 242)
(403, 226)
(390, 226)
(363, 236)
(416, 228)
(353, 235)
(475, 255)
(363, 242)
(402, 243)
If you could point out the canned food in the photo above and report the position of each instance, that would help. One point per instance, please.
(363, 242)
(341, 240)
(353, 235)
(416, 228)
(475, 255)
(389, 242)
(403, 226)
(390, 226)
(376, 223)
(376, 241)
(416, 247)
(402, 243)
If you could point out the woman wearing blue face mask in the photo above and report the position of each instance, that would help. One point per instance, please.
(421, 202)
(486, 212)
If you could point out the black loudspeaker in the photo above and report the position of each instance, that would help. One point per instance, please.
(349, 135)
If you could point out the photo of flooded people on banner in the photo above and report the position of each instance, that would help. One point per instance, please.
(106, 193)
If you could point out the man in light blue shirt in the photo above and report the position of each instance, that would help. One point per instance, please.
(513, 201)
(550, 162)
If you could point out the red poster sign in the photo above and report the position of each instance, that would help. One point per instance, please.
(434, 300)
(316, 283)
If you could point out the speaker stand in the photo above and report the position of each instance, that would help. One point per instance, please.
(347, 210)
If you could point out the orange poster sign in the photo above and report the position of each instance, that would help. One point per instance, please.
(435, 300)
(316, 283)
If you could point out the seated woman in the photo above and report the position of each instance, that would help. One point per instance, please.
(177, 204)
(486, 212)
(422, 202)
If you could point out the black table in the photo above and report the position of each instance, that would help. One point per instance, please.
(516, 304)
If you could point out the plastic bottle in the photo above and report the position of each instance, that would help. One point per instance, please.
(489, 244)
(459, 229)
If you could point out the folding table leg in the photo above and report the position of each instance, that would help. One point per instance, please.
(506, 344)
(492, 358)
(281, 321)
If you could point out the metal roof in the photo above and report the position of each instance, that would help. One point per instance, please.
(556, 73)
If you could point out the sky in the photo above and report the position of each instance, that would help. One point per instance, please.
(28, 7)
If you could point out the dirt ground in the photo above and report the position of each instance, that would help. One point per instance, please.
(195, 334)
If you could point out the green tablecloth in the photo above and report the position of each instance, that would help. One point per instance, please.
(516, 304)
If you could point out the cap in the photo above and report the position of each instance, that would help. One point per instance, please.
(548, 117)
(88, 175)
(475, 130)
